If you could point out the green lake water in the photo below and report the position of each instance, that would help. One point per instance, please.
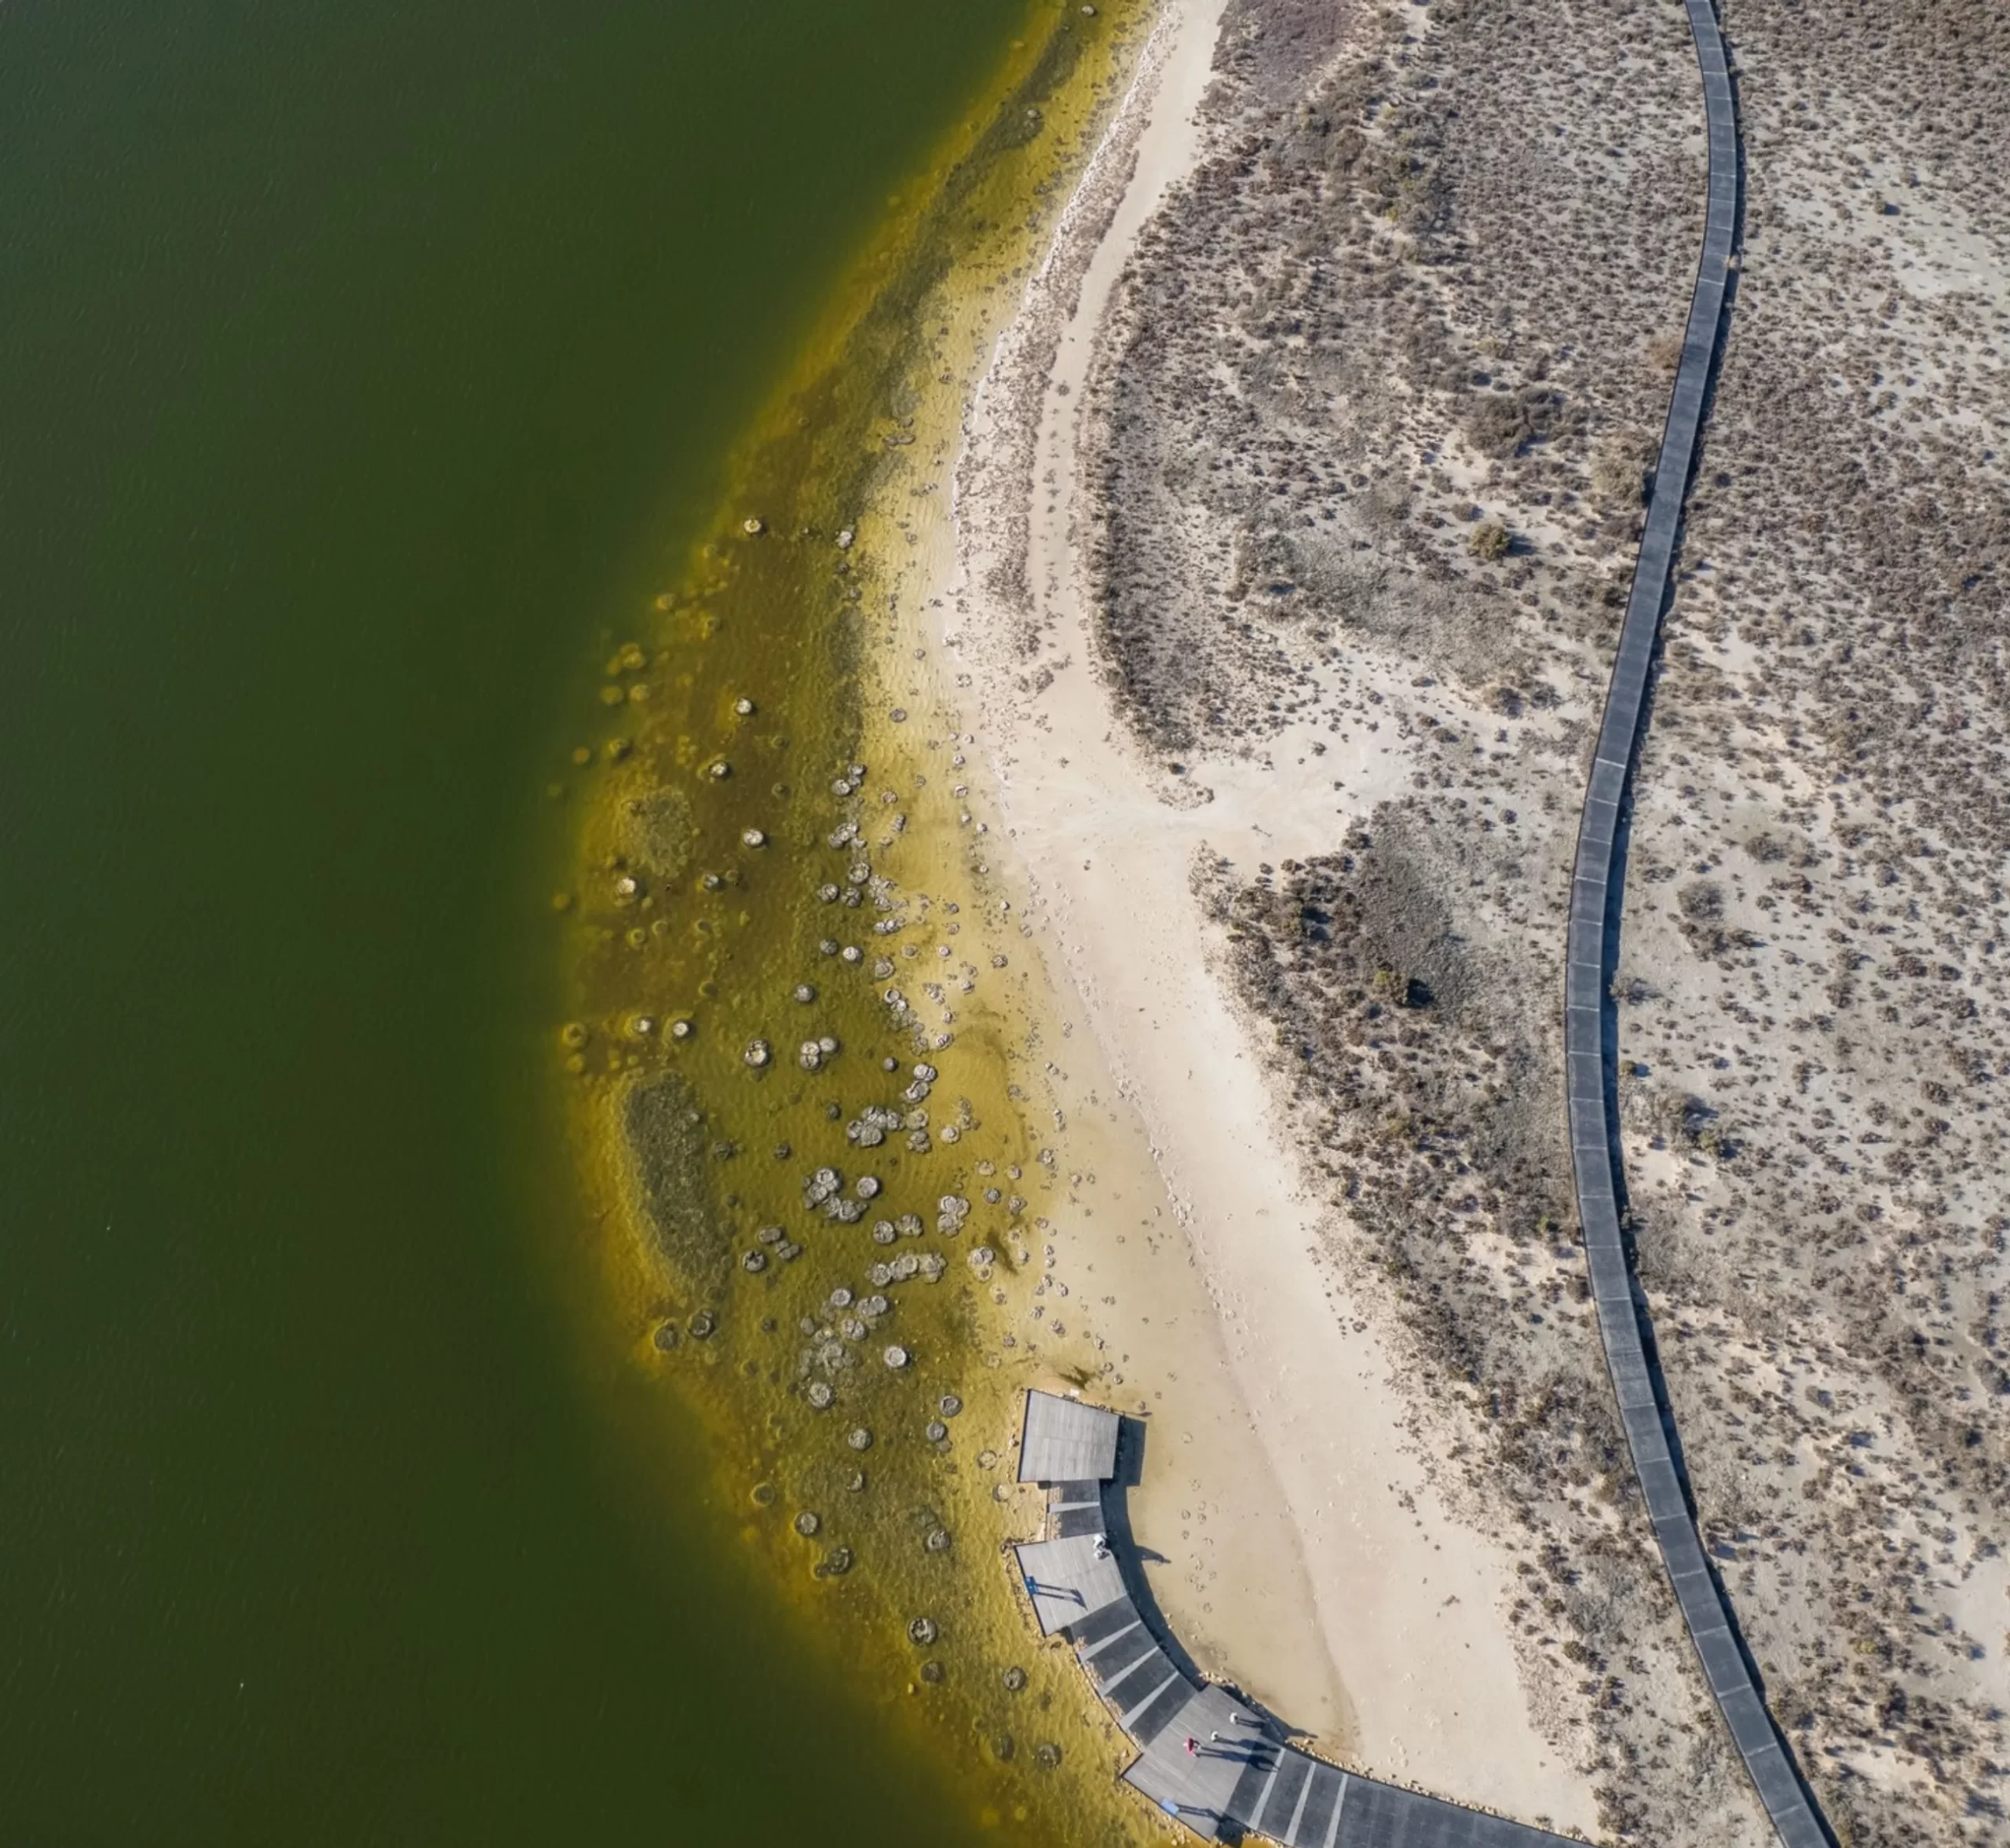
(359, 365)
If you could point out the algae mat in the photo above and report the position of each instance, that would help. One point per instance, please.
(793, 1068)
(350, 355)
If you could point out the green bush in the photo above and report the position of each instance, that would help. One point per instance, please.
(1490, 540)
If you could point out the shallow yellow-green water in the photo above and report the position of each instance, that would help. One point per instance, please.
(810, 1176)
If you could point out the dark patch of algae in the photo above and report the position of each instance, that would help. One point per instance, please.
(761, 865)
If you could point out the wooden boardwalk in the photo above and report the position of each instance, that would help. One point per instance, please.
(1591, 1025)
(1202, 1757)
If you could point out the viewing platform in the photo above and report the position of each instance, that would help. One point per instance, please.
(1204, 1756)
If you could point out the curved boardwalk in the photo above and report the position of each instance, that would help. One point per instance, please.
(1591, 1029)
(1203, 1756)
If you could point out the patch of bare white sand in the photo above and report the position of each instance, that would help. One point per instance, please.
(1301, 1545)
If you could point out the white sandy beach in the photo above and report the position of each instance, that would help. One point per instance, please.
(1304, 1555)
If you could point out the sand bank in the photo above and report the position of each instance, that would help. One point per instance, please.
(1305, 1552)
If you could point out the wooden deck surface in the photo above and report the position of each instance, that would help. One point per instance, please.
(1064, 1440)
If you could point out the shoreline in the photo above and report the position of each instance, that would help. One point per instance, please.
(1153, 1306)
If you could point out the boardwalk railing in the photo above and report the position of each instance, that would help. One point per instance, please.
(1591, 1026)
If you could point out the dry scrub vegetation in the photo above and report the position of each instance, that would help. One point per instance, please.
(1369, 435)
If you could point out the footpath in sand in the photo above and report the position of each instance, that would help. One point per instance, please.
(1305, 1554)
